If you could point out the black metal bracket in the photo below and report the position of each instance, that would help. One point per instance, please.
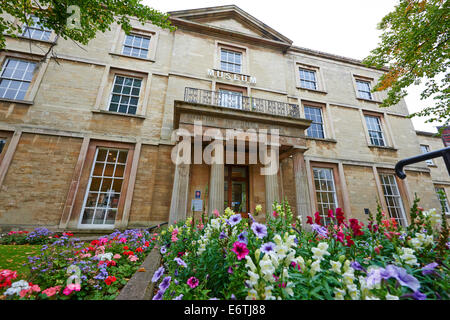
(444, 153)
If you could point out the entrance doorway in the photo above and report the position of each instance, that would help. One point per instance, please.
(237, 188)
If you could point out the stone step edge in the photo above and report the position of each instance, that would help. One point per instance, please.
(140, 286)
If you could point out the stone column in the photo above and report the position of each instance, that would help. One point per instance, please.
(178, 204)
(216, 188)
(272, 188)
(301, 187)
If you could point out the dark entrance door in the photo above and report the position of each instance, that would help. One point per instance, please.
(237, 188)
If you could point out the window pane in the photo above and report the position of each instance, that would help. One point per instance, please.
(392, 197)
(105, 187)
(15, 78)
(325, 191)
(125, 95)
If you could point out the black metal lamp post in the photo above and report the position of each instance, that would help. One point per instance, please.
(444, 153)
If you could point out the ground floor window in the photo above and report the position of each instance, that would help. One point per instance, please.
(2, 144)
(444, 203)
(393, 198)
(104, 187)
(236, 188)
(325, 189)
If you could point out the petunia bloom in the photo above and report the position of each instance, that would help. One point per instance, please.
(240, 249)
(193, 282)
(259, 230)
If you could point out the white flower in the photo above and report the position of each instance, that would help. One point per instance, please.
(252, 295)
(339, 294)
(300, 261)
(215, 223)
(250, 263)
(391, 297)
(353, 291)
(105, 256)
(253, 279)
(16, 287)
(315, 267)
(408, 257)
(336, 266)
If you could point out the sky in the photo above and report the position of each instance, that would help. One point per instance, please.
(343, 27)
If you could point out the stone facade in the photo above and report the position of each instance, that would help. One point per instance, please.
(53, 134)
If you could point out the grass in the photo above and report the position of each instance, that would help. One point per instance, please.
(13, 257)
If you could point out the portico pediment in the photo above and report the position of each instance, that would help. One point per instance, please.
(228, 19)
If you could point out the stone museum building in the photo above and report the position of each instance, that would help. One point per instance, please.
(87, 136)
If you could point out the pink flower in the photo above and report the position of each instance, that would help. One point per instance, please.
(117, 256)
(74, 286)
(216, 213)
(123, 240)
(133, 258)
(240, 249)
(192, 282)
(52, 291)
(67, 291)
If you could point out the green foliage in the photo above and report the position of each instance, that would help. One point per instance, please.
(415, 47)
(94, 16)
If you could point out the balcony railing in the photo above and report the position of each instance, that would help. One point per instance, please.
(235, 100)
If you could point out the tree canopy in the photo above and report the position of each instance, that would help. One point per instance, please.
(78, 20)
(414, 47)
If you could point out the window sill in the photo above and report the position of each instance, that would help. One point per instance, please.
(321, 139)
(312, 90)
(34, 40)
(119, 114)
(368, 100)
(382, 147)
(25, 102)
(132, 57)
(432, 165)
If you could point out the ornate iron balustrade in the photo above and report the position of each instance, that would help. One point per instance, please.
(238, 101)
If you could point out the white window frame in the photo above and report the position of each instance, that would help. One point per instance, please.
(309, 71)
(396, 196)
(230, 99)
(425, 149)
(317, 123)
(357, 80)
(91, 176)
(318, 192)
(369, 129)
(447, 206)
(140, 48)
(29, 31)
(21, 79)
(228, 63)
(130, 95)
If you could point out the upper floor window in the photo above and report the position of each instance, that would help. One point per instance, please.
(308, 79)
(363, 88)
(375, 131)
(444, 202)
(15, 78)
(125, 94)
(425, 149)
(316, 128)
(230, 61)
(136, 46)
(36, 30)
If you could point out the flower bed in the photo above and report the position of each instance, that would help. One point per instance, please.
(230, 257)
(67, 268)
(38, 236)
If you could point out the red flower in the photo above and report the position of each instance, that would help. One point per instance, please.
(111, 263)
(126, 248)
(349, 241)
(275, 214)
(94, 242)
(340, 236)
(128, 253)
(330, 214)
(309, 220)
(180, 254)
(339, 216)
(146, 244)
(317, 218)
(139, 249)
(91, 249)
(110, 279)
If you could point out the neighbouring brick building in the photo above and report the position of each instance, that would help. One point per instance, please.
(86, 139)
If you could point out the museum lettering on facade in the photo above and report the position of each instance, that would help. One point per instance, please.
(87, 142)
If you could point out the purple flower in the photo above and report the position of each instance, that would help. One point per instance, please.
(158, 295)
(268, 247)
(242, 237)
(374, 277)
(178, 297)
(234, 219)
(419, 295)
(163, 250)
(259, 230)
(402, 277)
(251, 217)
(180, 262)
(429, 268)
(158, 273)
(322, 231)
(165, 284)
(222, 235)
(357, 266)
